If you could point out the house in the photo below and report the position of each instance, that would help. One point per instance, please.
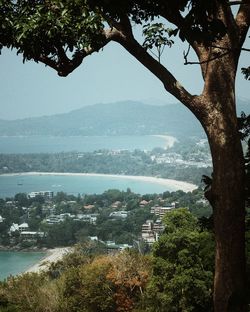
(116, 204)
(53, 219)
(119, 214)
(27, 235)
(143, 203)
(88, 207)
(14, 227)
(1, 219)
(90, 218)
(93, 238)
(23, 227)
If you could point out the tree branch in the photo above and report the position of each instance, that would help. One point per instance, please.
(234, 2)
(243, 20)
(163, 74)
(206, 61)
(64, 65)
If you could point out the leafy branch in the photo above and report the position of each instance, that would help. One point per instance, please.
(156, 36)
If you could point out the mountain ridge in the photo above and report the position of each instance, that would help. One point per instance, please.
(118, 118)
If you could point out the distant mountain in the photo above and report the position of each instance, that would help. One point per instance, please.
(121, 118)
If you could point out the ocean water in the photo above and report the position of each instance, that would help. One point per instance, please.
(12, 263)
(16, 262)
(52, 144)
(13, 184)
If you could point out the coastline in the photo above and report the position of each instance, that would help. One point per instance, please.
(51, 255)
(169, 140)
(179, 185)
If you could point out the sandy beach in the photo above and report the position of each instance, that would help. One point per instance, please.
(53, 255)
(169, 140)
(179, 185)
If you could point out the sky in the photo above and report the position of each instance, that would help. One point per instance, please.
(112, 75)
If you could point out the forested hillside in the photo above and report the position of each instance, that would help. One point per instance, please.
(121, 118)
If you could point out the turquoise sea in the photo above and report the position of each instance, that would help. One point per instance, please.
(12, 263)
(16, 262)
(13, 184)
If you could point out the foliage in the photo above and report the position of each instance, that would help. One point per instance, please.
(155, 36)
(183, 266)
(48, 27)
(129, 273)
(28, 293)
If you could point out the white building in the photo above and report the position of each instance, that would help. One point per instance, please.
(119, 214)
(23, 227)
(161, 211)
(46, 194)
(151, 231)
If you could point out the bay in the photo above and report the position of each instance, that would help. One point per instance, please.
(71, 184)
(15, 262)
(54, 144)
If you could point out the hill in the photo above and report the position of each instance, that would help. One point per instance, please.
(121, 118)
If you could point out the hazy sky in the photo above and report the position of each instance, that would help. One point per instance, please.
(111, 75)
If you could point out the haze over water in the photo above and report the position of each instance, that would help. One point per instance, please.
(53, 144)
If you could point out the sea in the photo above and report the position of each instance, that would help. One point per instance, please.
(15, 262)
(12, 263)
(13, 184)
(10, 185)
(56, 144)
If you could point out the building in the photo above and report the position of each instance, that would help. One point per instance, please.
(147, 232)
(161, 211)
(23, 227)
(119, 214)
(31, 235)
(89, 218)
(20, 228)
(143, 203)
(14, 227)
(151, 231)
(116, 204)
(45, 194)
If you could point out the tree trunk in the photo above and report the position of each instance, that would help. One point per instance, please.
(227, 199)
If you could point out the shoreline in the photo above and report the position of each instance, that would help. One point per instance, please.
(179, 185)
(169, 140)
(51, 255)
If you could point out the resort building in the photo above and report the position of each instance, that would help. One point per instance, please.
(151, 231)
(27, 235)
(20, 228)
(45, 194)
(160, 211)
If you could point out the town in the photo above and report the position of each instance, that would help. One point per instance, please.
(116, 219)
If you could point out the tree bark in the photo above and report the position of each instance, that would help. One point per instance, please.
(226, 195)
(227, 199)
